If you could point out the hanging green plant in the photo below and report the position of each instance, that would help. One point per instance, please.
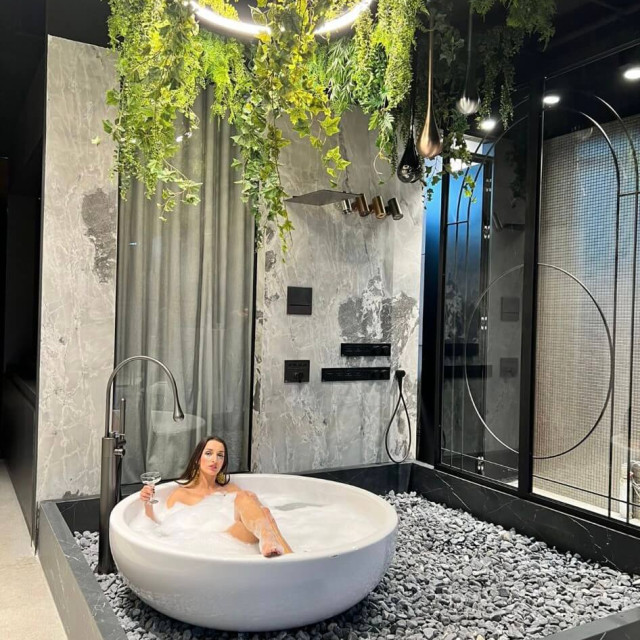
(500, 45)
(159, 65)
(164, 60)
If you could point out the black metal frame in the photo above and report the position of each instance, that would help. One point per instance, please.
(428, 436)
(252, 361)
(430, 427)
(529, 288)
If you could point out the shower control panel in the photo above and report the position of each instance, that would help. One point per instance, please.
(296, 370)
(355, 374)
(364, 349)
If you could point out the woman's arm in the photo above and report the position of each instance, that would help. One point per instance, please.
(145, 495)
(177, 495)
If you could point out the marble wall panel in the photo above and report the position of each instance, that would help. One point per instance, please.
(78, 270)
(365, 275)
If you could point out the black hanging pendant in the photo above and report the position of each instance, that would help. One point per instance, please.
(410, 165)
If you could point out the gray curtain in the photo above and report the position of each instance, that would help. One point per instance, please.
(185, 298)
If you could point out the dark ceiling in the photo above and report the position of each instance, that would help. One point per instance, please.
(22, 28)
(583, 29)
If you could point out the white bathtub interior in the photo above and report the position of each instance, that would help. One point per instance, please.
(310, 522)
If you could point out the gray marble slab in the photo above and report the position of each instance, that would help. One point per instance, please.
(365, 275)
(78, 270)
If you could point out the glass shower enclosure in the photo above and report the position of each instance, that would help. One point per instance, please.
(537, 388)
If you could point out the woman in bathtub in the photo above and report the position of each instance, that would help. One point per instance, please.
(204, 476)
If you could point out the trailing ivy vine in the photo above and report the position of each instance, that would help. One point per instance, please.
(164, 60)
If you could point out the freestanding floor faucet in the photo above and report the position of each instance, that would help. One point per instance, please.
(111, 468)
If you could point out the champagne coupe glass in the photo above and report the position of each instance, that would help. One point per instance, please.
(151, 479)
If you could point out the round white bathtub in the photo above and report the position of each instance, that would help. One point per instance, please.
(254, 593)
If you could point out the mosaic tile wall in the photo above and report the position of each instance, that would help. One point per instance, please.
(574, 366)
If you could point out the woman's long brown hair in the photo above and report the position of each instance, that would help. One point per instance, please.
(191, 472)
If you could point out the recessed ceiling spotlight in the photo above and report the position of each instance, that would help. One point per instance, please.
(632, 73)
(551, 99)
(488, 124)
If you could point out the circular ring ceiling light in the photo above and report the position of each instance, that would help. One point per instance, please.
(242, 28)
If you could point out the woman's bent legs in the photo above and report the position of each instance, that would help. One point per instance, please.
(254, 523)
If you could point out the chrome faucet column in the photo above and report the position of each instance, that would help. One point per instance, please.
(111, 468)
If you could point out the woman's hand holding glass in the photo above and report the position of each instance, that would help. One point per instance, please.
(150, 479)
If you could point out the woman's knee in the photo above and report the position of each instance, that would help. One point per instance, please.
(244, 496)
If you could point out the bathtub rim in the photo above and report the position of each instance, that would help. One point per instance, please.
(121, 528)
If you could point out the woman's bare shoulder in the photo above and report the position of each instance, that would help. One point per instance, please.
(181, 494)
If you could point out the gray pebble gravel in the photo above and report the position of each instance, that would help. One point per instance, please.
(453, 578)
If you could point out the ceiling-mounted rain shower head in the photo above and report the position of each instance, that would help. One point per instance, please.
(321, 198)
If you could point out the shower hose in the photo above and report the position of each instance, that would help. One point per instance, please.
(398, 376)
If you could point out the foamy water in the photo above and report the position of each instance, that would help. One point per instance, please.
(200, 528)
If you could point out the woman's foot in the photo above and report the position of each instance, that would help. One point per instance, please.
(269, 544)
(276, 531)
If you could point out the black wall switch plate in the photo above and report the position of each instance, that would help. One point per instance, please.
(299, 301)
(296, 370)
(365, 349)
(355, 374)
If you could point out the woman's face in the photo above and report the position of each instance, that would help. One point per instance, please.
(212, 458)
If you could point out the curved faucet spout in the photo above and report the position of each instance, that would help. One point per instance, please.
(177, 409)
(111, 469)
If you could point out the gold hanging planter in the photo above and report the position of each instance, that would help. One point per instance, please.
(430, 143)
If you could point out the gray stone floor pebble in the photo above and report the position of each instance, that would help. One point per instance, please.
(453, 578)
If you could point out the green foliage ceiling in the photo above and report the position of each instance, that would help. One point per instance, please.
(165, 60)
